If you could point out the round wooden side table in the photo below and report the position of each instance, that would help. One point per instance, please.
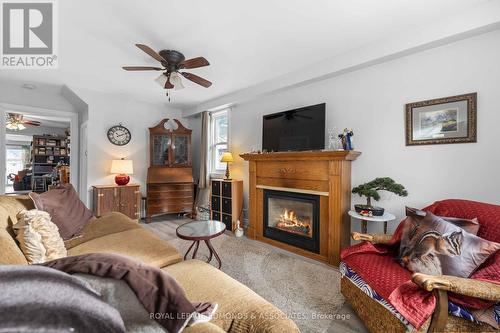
(197, 231)
(364, 219)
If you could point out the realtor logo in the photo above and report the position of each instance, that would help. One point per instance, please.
(28, 32)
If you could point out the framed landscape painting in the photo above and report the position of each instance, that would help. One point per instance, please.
(443, 120)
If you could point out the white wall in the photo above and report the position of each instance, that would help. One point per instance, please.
(108, 110)
(372, 100)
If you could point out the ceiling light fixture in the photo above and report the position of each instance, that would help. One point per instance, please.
(176, 80)
(16, 122)
(161, 80)
(15, 126)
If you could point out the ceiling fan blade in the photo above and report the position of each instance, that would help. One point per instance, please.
(274, 116)
(151, 52)
(141, 68)
(168, 84)
(32, 122)
(301, 116)
(194, 63)
(196, 79)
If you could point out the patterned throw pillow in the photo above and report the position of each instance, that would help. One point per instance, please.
(38, 237)
(435, 246)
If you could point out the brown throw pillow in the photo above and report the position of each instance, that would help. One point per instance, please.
(435, 246)
(67, 210)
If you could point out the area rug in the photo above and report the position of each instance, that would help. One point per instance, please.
(307, 291)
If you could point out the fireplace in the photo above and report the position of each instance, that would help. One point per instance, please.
(292, 218)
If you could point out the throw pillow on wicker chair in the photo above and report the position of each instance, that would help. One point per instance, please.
(433, 245)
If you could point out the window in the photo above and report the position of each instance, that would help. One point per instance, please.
(15, 161)
(219, 130)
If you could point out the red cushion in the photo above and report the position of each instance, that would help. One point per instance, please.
(488, 215)
(381, 272)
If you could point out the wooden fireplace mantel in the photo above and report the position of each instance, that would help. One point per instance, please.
(327, 173)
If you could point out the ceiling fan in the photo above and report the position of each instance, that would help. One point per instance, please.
(289, 115)
(172, 63)
(16, 122)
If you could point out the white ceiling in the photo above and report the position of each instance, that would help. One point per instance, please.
(246, 42)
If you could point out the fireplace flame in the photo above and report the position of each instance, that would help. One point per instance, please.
(289, 221)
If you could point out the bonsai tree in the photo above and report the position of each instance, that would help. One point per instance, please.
(370, 189)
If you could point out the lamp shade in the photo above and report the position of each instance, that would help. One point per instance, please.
(161, 80)
(227, 157)
(122, 167)
(176, 80)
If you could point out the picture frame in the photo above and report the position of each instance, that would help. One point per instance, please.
(442, 120)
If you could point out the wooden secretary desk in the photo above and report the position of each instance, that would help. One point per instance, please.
(170, 186)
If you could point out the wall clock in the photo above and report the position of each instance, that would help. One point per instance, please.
(119, 135)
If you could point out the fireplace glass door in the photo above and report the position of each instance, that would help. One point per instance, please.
(292, 218)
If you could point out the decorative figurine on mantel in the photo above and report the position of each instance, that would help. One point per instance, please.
(334, 141)
(370, 190)
(346, 138)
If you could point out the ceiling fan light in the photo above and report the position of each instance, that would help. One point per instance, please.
(21, 127)
(161, 80)
(176, 80)
(11, 126)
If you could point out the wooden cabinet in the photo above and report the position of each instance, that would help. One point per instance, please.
(227, 201)
(170, 175)
(113, 198)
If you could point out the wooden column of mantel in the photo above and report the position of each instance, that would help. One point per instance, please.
(326, 173)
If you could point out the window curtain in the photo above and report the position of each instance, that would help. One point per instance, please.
(202, 198)
(204, 153)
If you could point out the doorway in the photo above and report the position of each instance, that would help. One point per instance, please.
(39, 150)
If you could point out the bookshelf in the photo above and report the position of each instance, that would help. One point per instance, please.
(47, 152)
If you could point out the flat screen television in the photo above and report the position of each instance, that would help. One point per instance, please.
(295, 130)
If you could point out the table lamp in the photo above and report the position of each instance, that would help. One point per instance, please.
(227, 157)
(122, 168)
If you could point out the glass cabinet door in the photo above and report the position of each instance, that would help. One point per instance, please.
(180, 149)
(161, 144)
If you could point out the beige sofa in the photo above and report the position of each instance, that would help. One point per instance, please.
(240, 309)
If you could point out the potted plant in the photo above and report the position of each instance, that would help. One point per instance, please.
(370, 191)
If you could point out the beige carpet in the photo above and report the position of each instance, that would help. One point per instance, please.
(302, 288)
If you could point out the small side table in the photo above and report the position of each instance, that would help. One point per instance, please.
(197, 231)
(364, 219)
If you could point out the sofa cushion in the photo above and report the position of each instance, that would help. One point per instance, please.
(240, 309)
(136, 318)
(10, 253)
(66, 209)
(109, 223)
(368, 266)
(139, 243)
(13, 204)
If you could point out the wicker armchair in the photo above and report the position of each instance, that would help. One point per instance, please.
(378, 318)
(441, 285)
